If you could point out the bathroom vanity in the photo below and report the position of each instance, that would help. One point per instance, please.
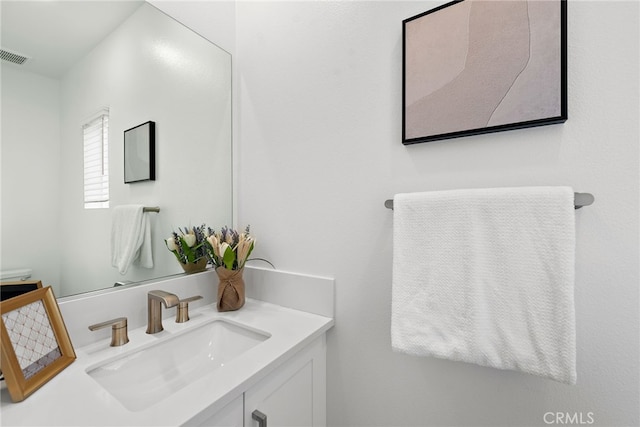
(232, 369)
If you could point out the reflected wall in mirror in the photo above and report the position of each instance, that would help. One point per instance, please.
(145, 66)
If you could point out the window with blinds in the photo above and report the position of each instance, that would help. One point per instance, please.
(96, 161)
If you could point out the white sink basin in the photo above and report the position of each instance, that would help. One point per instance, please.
(144, 377)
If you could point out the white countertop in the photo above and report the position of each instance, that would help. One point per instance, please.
(74, 398)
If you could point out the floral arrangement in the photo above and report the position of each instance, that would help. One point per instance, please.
(189, 245)
(229, 249)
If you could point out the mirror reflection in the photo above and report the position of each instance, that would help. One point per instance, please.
(131, 63)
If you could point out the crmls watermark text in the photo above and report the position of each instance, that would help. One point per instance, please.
(569, 418)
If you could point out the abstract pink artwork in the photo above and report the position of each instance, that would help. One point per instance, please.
(478, 66)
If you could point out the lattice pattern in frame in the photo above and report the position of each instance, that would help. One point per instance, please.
(34, 344)
(32, 338)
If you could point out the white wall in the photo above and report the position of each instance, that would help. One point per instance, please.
(150, 68)
(30, 169)
(214, 20)
(319, 142)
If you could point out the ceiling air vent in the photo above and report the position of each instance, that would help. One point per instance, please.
(14, 57)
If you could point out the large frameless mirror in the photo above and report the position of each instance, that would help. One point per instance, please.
(131, 63)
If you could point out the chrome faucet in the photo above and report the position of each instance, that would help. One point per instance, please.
(154, 308)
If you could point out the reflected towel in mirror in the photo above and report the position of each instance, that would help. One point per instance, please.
(130, 238)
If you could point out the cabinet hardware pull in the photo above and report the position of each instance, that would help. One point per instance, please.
(260, 418)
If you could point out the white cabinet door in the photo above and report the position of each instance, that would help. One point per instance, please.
(294, 394)
(285, 398)
(229, 416)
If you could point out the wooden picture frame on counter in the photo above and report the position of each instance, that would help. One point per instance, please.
(14, 288)
(34, 342)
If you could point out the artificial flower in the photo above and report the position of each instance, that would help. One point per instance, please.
(228, 248)
(190, 239)
(171, 244)
(189, 245)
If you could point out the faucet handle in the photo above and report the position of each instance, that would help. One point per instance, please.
(118, 330)
(182, 315)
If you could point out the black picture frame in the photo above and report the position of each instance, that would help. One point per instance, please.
(140, 153)
(15, 288)
(438, 104)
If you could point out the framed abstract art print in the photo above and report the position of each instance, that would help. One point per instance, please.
(480, 66)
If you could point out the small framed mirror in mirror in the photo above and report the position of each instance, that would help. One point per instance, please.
(140, 153)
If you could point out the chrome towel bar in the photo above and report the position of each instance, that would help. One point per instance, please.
(579, 200)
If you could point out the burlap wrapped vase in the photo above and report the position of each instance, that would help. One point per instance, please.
(230, 289)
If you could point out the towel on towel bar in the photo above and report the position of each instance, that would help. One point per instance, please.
(486, 276)
(130, 238)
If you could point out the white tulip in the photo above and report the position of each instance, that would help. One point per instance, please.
(189, 239)
(223, 248)
(171, 244)
(243, 251)
(213, 241)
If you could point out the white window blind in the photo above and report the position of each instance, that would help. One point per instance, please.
(96, 161)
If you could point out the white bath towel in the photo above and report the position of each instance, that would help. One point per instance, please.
(486, 276)
(130, 238)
